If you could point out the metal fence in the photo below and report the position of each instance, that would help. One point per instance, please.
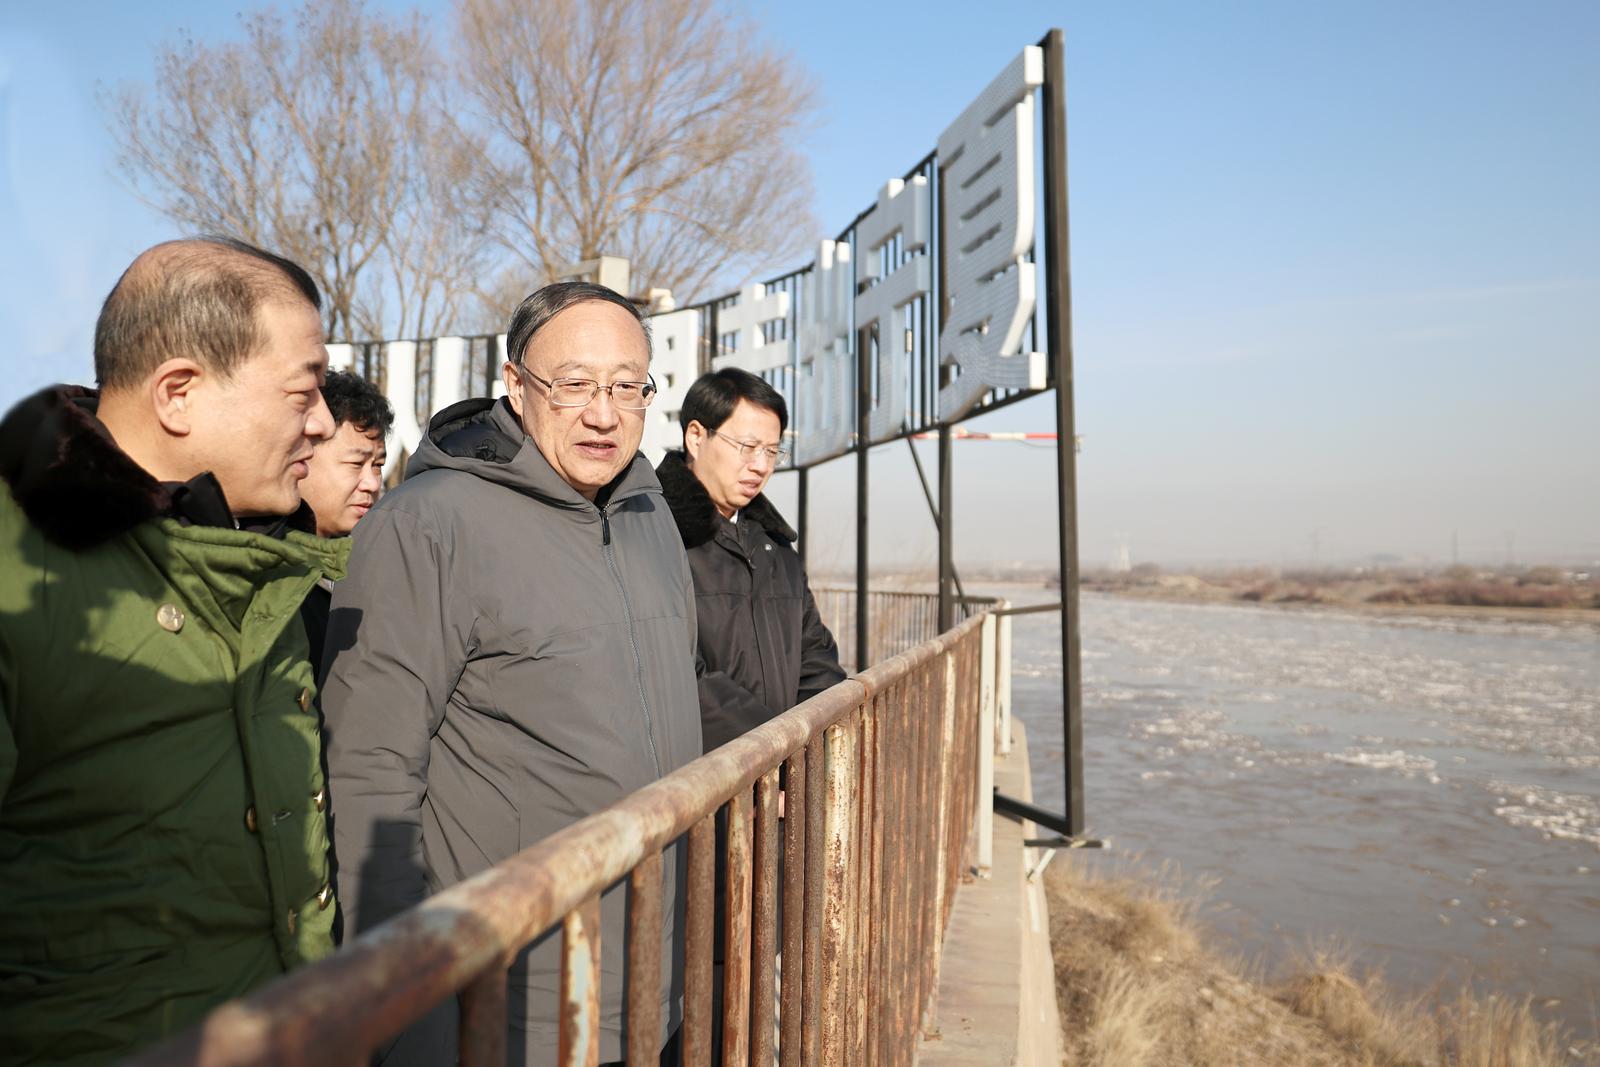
(886, 775)
(896, 620)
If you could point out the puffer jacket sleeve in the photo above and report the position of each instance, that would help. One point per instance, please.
(395, 655)
(819, 655)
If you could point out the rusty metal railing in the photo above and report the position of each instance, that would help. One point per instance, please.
(884, 780)
(896, 619)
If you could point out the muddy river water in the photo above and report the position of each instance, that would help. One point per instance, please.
(1423, 792)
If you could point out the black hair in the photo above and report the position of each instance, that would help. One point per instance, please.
(712, 398)
(353, 399)
(542, 305)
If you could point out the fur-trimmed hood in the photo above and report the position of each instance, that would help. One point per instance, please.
(67, 474)
(80, 489)
(697, 516)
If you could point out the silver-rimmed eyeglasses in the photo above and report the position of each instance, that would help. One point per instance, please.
(578, 392)
(751, 448)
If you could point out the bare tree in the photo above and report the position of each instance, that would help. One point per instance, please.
(659, 130)
(331, 142)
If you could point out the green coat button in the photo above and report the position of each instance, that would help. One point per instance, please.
(169, 618)
(305, 700)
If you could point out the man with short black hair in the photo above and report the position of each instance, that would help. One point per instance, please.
(514, 650)
(764, 645)
(345, 480)
(161, 797)
(346, 475)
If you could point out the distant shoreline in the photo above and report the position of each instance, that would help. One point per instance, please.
(1504, 613)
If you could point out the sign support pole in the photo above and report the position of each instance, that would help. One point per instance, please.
(863, 446)
(802, 518)
(946, 534)
(1059, 340)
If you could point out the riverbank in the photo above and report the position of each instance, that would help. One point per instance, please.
(1140, 982)
(1536, 595)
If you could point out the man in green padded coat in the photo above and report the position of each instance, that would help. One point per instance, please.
(162, 840)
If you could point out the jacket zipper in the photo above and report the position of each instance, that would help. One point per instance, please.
(755, 621)
(633, 641)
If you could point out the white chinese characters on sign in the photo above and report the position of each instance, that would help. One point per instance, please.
(986, 158)
(747, 320)
(902, 211)
(824, 395)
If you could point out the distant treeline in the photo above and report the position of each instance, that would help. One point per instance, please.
(1466, 586)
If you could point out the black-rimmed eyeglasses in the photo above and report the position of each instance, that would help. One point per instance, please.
(750, 448)
(578, 392)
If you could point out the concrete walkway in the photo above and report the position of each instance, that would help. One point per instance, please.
(997, 993)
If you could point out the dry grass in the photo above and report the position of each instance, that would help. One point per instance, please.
(1138, 988)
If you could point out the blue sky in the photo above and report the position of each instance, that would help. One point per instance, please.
(1336, 267)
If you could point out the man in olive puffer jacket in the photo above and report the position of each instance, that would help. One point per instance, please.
(162, 838)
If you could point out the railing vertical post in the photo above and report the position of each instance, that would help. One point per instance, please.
(763, 932)
(983, 808)
(1003, 682)
(698, 938)
(796, 803)
(644, 962)
(943, 767)
(816, 891)
(895, 774)
(862, 912)
(836, 844)
(925, 794)
(878, 899)
(736, 937)
(580, 986)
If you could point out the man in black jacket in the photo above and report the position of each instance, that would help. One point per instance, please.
(764, 645)
(345, 479)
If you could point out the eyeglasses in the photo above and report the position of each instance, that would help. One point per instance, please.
(578, 392)
(749, 448)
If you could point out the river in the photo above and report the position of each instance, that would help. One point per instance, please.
(1423, 792)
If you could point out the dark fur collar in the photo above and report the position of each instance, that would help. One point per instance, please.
(697, 516)
(68, 475)
(80, 490)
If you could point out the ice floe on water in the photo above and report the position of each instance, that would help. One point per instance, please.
(1407, 763)
(1569, 816)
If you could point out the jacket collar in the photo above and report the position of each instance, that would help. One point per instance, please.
(80, 489)
(68, 476)
(698, 518)
(482, 437)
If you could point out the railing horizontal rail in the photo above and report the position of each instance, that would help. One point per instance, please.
(883, 760)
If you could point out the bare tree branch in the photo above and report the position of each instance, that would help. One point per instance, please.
(330, 140)
(659, 130)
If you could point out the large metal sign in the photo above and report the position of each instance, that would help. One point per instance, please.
(947, 297)
(935, 284)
